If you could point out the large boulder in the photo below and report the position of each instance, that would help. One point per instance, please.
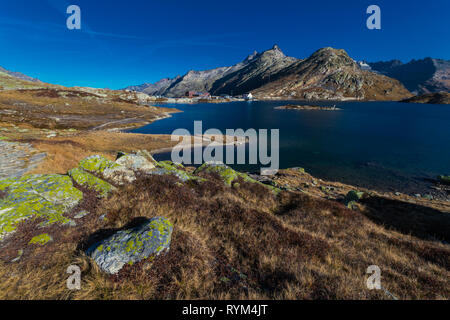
(91, 182)
(123, 170)
(40, 196)
(97, 164)
(133, 245)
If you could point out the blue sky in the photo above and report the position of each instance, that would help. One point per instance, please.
(135, 41)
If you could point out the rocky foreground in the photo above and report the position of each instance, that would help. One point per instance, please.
(143, 229)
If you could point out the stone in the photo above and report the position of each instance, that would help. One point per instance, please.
(81, 214)
(168, 167)
(145, 241)
(96, 164)
(229, 175)
(444, 179)
(354, 196)
(39, 196)
(91, 182)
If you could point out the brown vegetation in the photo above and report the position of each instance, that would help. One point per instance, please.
(241, 242)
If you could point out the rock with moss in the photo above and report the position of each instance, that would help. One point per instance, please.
(354, 195)
(47, 197)
(41, 239)
(352, 198)
(444, 179)
(229, 175)
(97, 164)
(126, 166)
(145, 241)
(91, 182)
(178, 170)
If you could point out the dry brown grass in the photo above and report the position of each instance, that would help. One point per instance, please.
(68, 108)
(232, 243)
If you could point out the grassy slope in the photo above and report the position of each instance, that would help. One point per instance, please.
(238, 242)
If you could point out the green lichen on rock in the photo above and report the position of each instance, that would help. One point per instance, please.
(36, 196)
(229, 175)
(444, 179)
(354, 196)
(96, 164)
(90, 181)
(133, 245)
(41, 239)
(178, 170)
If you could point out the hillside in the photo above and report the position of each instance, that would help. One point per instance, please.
(433, 98)
(327, 74)
(419, 76)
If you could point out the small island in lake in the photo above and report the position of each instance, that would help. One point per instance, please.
(298, 107)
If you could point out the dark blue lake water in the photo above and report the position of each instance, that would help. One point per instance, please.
(381, 145)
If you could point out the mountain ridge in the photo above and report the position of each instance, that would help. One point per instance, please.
(327, 74)
(421, 76)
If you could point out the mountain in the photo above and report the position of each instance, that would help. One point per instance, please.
(18, 75)
(259, 70)
(328, 74)
(201, 81)
(433, 98)
(418, 76)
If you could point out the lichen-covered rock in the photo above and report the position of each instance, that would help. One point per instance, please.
(168, 167)
(96, 164)
(39, 196)
(133, 245)
(354, 196)
(127, 165)
(41, 239)
(444, 179)
(229, 175)
(136, 162)
(90, 181)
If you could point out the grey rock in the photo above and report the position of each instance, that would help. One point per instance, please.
(133, 245)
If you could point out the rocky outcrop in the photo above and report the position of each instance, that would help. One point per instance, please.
(228, 175)
(130, 246)
(16, 159)
(47, 197)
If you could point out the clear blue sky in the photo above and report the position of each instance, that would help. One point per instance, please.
(135, 41)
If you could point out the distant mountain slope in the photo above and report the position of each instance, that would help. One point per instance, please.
(419, 76)
(327, 74)
(15, 80)
(18, 75)
(192, 81)
(331, 74)
(433, 98)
